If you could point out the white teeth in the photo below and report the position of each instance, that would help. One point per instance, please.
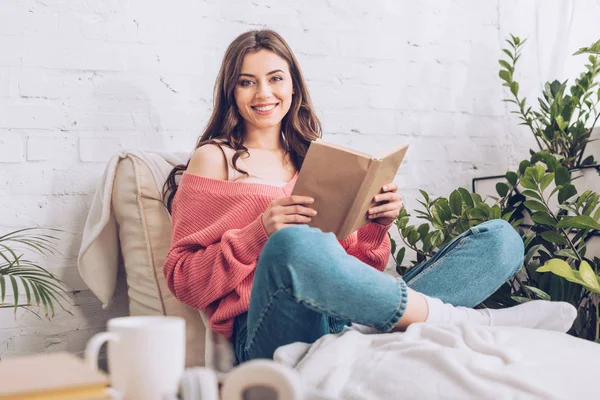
(266, 108)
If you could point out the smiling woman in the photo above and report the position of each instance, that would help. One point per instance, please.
(259, 70)
(241, 249)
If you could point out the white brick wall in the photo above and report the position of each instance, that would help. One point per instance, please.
(81, 80)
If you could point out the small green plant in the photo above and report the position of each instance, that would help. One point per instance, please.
(446, 219)
(41, 288)
(566, 116)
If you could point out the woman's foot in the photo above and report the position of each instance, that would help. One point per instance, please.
(538, 314)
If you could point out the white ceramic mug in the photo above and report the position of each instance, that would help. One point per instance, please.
(146, 356)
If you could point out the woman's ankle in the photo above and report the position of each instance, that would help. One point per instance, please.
(416, 311)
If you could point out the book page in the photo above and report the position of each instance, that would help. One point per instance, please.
(391, 151)
(343, 148)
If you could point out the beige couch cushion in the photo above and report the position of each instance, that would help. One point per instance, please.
(144, 227)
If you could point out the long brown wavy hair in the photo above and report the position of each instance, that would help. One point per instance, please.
(299, 126)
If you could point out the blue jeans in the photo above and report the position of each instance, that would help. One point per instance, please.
(306, 285)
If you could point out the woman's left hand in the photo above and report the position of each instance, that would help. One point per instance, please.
(386, 213)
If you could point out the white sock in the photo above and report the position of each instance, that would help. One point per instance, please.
(539, 314)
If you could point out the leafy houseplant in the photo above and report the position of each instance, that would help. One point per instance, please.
(539, 199)
(38, 284)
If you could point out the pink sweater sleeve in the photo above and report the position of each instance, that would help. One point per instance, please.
(213, 250)
(370, 244)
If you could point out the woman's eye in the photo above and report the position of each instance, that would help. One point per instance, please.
(245, 82)
(277, 78)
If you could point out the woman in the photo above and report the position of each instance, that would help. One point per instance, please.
(241, 249)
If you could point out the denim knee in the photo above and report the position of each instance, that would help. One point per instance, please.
(291, 244)
(505, 244)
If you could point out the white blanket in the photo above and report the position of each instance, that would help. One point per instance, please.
(447, 362)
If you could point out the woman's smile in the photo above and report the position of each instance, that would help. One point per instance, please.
(264, 109)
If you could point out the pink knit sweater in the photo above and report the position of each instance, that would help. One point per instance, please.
(218, 236)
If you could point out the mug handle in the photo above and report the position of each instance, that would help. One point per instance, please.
(93, 347)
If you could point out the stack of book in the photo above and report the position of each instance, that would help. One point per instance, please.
(51, 376)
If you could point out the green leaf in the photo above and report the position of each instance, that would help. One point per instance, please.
(425, 195)
(588, 276)
(531, 193)
(566, 192)
(25, 284)
(423, 229)
(401, 223)
(528, 183)
(427, 247)
(437, 238)
(562, 176)
(542, 217)
(392, 243)
(477, 213)
(506, 216)
(546, 180)
(437, 212)
(512, 178)
(413, 237)
(560, 268)
(506, 65)
(534, 205)
(504, 75)
(466, 196)
(552, 163)
(553, 237)
(523, 165)
(447, 210)
(514, 88)
(538, 172)
(508, 53)
(495, 212)
(13, 282)
(456, 202)
(566, 253)
(2, 288)
(443, 210)
(538, 292)
(476, 199)
(580, 221)
(400, 256)
(502, 189)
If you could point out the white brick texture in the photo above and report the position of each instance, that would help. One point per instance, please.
(82, 80)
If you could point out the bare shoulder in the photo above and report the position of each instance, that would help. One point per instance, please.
(208, 161)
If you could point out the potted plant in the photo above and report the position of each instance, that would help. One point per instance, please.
(557, 222)
(18, 275)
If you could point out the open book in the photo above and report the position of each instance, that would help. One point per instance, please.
(343, 183)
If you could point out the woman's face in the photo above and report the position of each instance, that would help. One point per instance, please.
(263, 93)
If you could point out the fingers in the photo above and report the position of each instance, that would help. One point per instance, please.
(386, 210)
(387, 197)
(390, 187)
(292, 219)
(297, 209)
(295, 199)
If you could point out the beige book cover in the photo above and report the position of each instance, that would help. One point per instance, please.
(343, 183)
(55, 376)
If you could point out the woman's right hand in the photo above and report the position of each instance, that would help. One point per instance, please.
(287, 211)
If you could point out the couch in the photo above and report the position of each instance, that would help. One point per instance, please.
(144, 234)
